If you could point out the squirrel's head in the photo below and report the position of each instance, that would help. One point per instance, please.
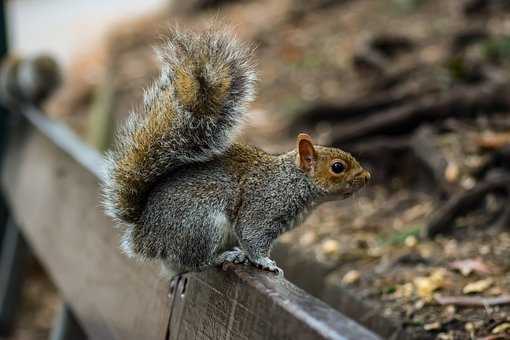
(334, 171)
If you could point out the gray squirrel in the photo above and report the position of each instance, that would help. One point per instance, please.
(189, 195)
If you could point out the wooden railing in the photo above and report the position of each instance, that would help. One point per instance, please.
(51, 182)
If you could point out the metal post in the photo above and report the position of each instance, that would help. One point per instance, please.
(66, 326)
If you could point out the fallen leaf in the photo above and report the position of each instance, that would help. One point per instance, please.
(501, 328)
(352, 276)
(477, 286)
(426, 286)
(468, 266)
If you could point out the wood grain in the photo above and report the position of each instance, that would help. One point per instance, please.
(56, 203)
(245, 303)
(54, 195)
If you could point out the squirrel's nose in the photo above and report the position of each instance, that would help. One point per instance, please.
(364, 175)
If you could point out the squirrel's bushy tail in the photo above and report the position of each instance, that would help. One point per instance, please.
(190, 114)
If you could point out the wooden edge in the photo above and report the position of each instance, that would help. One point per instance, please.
(308, 274)
(54, 201)
(66, 140)
(245, 303)
(326, 321)
(307, 315)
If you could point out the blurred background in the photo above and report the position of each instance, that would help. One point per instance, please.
(416, 89)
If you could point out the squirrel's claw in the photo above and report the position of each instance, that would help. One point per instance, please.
(265, 263)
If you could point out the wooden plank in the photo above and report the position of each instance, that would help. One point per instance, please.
(55, 198)
(247, 304)
(66, 327)
(309, 275)
(56, 203)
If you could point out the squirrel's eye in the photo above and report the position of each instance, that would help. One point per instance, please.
(337, 167)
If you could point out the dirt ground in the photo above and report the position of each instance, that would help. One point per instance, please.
(39, 304)
(320, 53)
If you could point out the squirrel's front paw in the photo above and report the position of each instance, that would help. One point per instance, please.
(266, 263)
(235, 255)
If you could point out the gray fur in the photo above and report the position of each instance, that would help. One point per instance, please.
(179, 226)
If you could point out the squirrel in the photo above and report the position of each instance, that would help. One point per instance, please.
(186, 192)
(28, 80)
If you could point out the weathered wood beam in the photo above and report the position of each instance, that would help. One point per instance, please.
(245, 303)
(55, 197)
(55, 201)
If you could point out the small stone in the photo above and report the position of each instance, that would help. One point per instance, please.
(411, 241)
(468, 183)
(485, 249)
(450, 311)
(445, 336)
(469, 327)
(330, 247)
(307, 238)
(452, 172)
(432, 326)
(419, 304)
(352, 276)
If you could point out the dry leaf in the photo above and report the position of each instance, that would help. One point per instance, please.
(477, 286)
(466, 267)
(501, 328)
(426, 286)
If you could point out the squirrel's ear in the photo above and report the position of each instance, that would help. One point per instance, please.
(307, 157)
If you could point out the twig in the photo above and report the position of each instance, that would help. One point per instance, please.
(472, 300)
(465, 201)
(464, 101)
